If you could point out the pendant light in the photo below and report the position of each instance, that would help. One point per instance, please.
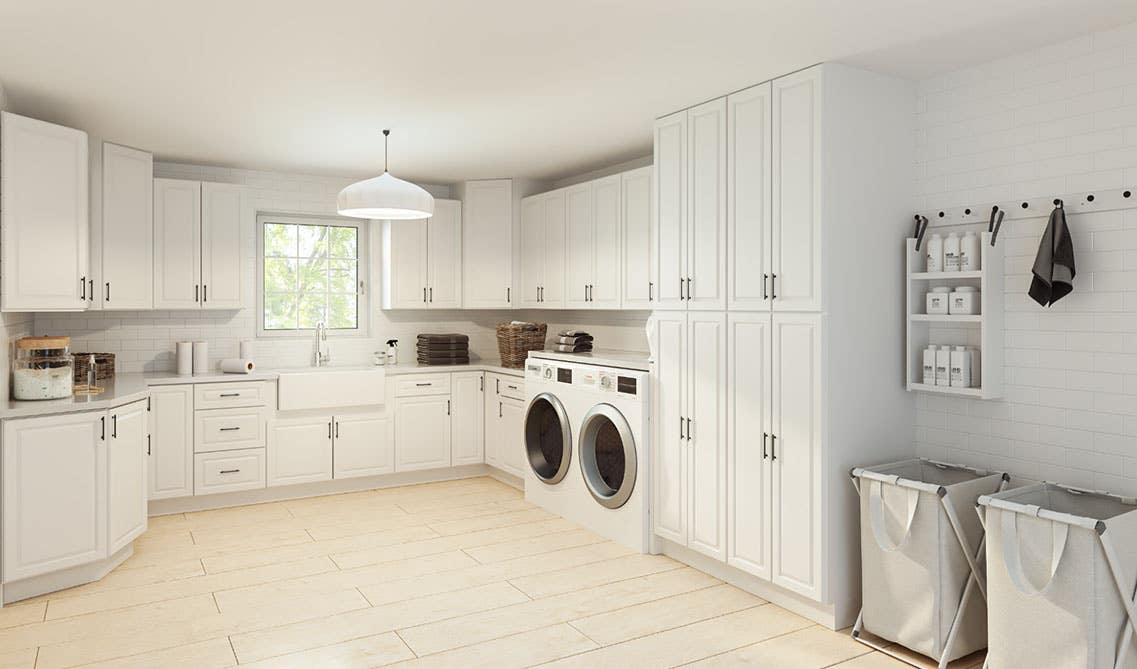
(385, 197)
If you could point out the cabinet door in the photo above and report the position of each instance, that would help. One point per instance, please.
(670, 210)
(748, 205)
(467, 413)
(221, 260)
(126, 475)
(604, 289)
(177, 244)
(364, 445)
(422, 432)
(527, 290)
(54, 493)
(487, 244)
(43, 216)
(553, 289)
(299, 450)
(638, 245)
(706, 407)
(492, 419)
(670, 456)
(706, 194)
(444, 244)
(579, 240)
(796, 453)
(171, 441)
(512, 441)
(405, 265)
(796, 171)
(748, 442)
(127, 229)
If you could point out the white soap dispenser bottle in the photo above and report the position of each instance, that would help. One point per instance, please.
(935, 253)
(969, 252)
(951, 253)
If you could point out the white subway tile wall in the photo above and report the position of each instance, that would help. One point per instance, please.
(1056, 120)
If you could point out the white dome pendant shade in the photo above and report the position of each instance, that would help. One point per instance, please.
(385, 197)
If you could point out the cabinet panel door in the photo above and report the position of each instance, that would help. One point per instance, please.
(579, 240)
(444, 244)
(513, 443)
(706, 407)
(553, 290)
(177, 244)
(487, 234)
(747, 442)
(299, 450)
(706, 192)
(127, 228)
(670, 457)
(492, 418)
(467, 414)
(604, 290)
(54, 493)
(748, 204)
(422, 432)
(221, 259)
(527, 289)
(171, 441)
(638, 245)
(796, 174)
(405, 265)
(796, 453)
(364, 445)
(43, 215)
(670, 210)
(126, 475)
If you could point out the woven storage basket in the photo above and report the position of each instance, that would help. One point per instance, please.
(104, 366)
(514, 341)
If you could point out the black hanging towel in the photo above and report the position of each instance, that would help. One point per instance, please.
(1054, 264)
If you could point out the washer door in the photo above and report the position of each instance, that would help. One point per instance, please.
(607, 455)
(548, 438)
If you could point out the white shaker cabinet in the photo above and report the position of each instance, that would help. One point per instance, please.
(467, 418)
(592, 244)
(511, 418)
(580, 236)
(638, 244)
(669, 480)
(542, 265)
(422, 260)
(706, 204)
(531, 267)
(363, 445)
(43, 216)
(299, 450)
(422, 432)
(669, 196)
(748, 199)
(444, 253)
(171, 441)
(126, 474)
(221, 262)
(127, 229)
(487, 243)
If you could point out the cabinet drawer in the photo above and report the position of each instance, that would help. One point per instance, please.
(412, 385)
(229, 471)
(508, 386)
(228, 430)
(225, 395)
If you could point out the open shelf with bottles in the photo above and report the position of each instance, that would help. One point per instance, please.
(981, 333)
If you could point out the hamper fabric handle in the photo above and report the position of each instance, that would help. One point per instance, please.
(876, 513)
(1012, 557)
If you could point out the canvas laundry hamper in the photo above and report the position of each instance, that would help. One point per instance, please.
(921, 555)
(1062, 571)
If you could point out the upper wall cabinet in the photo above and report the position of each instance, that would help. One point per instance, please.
(542, 280)
(127, 239)
(748, 199)
(197, 245)
(43, 216)
(592, 244)
(487, 244)
(422, 260)
(638, 247)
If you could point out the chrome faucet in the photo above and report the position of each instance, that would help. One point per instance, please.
(323, 353)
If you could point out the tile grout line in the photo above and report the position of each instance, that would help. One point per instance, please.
(233, 649)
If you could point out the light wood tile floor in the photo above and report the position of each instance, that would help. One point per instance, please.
(454, 574)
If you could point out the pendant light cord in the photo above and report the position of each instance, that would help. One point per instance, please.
(386, 134)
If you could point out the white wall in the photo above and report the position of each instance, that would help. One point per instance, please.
(1057, 120)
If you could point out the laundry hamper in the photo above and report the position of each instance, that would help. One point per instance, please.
(921, 555)
(1062, 567)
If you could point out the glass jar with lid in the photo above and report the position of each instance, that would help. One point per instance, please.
(43, 369)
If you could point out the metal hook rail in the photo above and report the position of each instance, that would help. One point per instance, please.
(1078, 203)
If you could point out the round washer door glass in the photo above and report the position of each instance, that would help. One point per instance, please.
(548, 438)
(607, 456)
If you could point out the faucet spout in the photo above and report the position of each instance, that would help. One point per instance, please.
(323, 355)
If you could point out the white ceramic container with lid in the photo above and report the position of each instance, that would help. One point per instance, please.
(937, 301)
(964, 301)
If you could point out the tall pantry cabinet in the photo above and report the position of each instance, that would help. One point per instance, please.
(777, 363)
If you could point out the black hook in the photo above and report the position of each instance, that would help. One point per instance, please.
(921, 228)
(1090, 197)
(998, 223)
(991, 222)
(1126, 194)
(1057, 202)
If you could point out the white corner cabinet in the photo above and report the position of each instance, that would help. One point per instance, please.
(43, 216)
(197, 245)
(123, 265)
(505, 423)
(486, 243)
(422, 260)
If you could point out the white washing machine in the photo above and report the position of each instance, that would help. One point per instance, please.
(601, 479)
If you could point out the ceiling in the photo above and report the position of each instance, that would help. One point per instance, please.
(520, 88)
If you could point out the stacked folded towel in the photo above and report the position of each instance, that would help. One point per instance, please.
(443, 349)
(573, 341)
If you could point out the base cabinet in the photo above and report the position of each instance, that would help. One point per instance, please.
(171, 441)
(363, 445)
(467, 417)
(511, 414)
(422, 432)
(504, 423)
(126, 475)
(299, 450)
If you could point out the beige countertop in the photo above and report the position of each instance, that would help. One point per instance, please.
(122, 389)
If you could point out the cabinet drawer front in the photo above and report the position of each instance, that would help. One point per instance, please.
(511, 387)
(224, 395)
(411, 385)
(229, 471)
(228, 430)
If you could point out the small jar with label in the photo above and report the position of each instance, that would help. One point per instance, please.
(964, 301)
(937, 300)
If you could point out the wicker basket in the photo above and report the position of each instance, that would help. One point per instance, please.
(515, 340)
(104, 366)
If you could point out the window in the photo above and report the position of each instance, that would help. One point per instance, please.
(310, 270)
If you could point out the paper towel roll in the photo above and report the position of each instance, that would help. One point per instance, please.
(185, 358)
(236, 365)
(247, 349)
(201, 357)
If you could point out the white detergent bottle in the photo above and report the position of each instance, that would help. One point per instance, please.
(969, 252)
(934, 249)
(951, 253)
(930, 365)
(943, 366)
(961, 367)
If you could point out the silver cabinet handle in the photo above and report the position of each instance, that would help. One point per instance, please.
(228, 429)
(228, 471)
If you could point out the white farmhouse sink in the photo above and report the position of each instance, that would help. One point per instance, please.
(330, 388)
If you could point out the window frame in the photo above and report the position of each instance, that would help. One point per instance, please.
(363, 296)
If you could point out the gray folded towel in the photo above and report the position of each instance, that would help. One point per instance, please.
(1054, 265)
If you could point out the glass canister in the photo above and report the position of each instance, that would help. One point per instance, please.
(43, 369)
